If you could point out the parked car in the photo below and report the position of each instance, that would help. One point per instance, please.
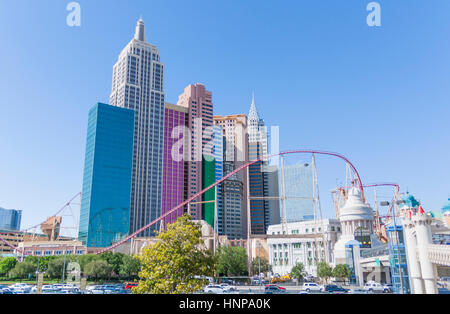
(6, 291)
(95, 290)
(274, 289)
(257, 282)
(310, 286)
(214, 289)
(375, 287)
(388, 288)
(131, 285)
(21, 287)
(334, 289)
(226, 286)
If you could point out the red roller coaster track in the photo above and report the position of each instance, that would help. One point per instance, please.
(133, 235)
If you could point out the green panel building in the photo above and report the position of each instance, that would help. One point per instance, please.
(208, 178)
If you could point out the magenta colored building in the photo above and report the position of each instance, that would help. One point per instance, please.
(173, 191)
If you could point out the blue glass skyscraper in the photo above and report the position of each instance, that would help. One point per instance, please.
(298, 181)
(10, 219)
(105, 200)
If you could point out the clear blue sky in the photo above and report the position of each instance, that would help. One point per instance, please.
(379, 96)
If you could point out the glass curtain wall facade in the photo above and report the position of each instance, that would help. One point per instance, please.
(397, 259)
(105, 199)
(218, 152)
(10, 219)
(298, 182)
(138, 84)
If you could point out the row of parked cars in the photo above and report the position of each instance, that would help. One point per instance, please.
(308, 287)
(369, 287)
(22, 288)
(223, 288)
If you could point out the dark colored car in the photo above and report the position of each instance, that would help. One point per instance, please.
(131, 285)
(274, 289)
(334, 289)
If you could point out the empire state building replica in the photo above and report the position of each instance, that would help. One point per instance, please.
(137, 84)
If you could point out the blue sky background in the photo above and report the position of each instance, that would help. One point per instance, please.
(380, 95)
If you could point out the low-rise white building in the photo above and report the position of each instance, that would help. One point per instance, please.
(302, 242)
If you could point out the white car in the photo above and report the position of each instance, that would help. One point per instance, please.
(214, 289)
(227, 287)
(95, 290)
(388, 288)
(310, 286)
(375, 287)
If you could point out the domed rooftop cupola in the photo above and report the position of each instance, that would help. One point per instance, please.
(355, 209)
(446, 208)
(410, 201)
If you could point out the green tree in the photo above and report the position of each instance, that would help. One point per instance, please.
(231, 261)
(22, 270)
(342, 271)
(174, 264)
(130, 266)
(98, 269)
(297, 272)
(115, 260)
(84, 260)
(7, 264)
(265, 266)
(324, 271)
(55, 266)
(42, 261)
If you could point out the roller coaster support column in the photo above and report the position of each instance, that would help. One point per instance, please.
(249, 224)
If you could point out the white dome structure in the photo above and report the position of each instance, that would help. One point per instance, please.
(355, 217)
(355, 214)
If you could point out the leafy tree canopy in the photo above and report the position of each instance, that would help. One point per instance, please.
(298, 271)
(324, 271)
(98, 269)
(232, 261)
(7, 264)
(22, 270)
(341, 271)
(174, 264)
(130, 266)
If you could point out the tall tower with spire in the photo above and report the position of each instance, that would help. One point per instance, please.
(259, 180)
(138, 84)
